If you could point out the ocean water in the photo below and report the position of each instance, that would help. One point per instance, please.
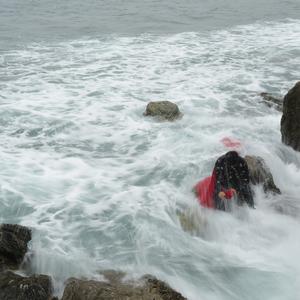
(103, 186)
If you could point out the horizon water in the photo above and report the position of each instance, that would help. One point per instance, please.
(102, 186)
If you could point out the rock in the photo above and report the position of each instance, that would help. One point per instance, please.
(272, 101)
(164, 110)
(290, 121)
(149, 288)
(260, 174)
(16, 287)
(13, 245)
(155, 286)
(192, 221)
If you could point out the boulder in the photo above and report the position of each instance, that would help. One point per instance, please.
(13, 245)
(272, 101)
(290, 121)
(260, 174)
(16, 287)
(164, 110)
(148, 288)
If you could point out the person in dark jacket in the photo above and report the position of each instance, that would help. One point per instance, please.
(231, 176)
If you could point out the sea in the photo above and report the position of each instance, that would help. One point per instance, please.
(104, 187)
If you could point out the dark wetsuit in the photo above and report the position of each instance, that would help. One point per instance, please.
(231, 171)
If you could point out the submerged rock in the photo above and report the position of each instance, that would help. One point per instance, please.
(260, 174)
(149, 288)
(164, 110)
(16, 287)
(272, 101)
(290, 121)
(13, 245)
(192, 221)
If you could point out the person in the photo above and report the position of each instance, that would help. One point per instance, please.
(230, 179)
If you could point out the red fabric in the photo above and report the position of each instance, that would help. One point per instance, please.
(228, 194)
(205, 191)
(231, 143)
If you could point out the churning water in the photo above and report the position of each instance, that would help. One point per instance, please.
(103, 186)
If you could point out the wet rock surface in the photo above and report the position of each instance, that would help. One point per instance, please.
(16, 287)
(260, 174)
(290, 121)
(13, 245)
(148, 288)
(272, 101)
(163, 110)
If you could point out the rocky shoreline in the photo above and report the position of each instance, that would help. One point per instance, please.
(14, 238)
(14, 241)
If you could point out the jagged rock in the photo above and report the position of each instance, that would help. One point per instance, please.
(13, 245)
(290, 121)
(16, 287)
(149, 288)
(164, 110)
(260, 174)
(272, 101)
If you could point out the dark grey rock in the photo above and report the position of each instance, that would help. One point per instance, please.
(260, 174)
(16, 287)
(148, 288)
(164, 110)
(290, 121)
(272, 101)
(13, 245)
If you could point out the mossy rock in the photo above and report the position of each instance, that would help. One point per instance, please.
(163, 110)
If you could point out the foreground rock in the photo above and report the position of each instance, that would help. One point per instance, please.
(16, 287)
(272, 101)
(290, 121)
(149, 288)
(260, 174)
(13, 245)
(164, 110)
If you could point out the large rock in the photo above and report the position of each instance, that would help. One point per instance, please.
(290, 121)
(13, 245)
(260, 174)
(149, 288)
(272, 101)
(164, 110)
(16, 287)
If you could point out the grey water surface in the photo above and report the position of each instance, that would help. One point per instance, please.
(25, 21)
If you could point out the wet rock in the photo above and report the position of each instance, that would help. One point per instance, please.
(148, 288)
(13, 245)
(161, 289)
(272, 101)
(260, 174)
(164, 110)
(16, 287)
(290, 121)
(192, 221)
